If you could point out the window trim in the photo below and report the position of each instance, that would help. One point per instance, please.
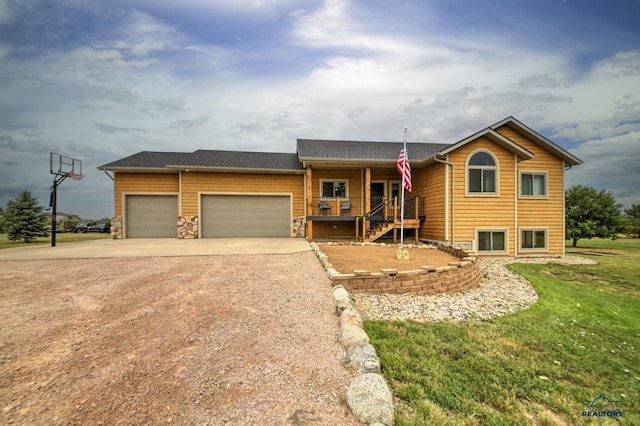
(534, 173)
(346, 188)
(496, 168)
(534, 229)
(490, 252)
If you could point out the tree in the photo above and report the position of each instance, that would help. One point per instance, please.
(24, 219)
(633, 217)
(591, 213)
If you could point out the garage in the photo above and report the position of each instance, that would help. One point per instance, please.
(151, 216)
(248, 216)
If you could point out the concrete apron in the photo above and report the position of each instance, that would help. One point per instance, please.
(157, 247)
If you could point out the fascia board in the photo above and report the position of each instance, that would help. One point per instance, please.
(539, 139)
(494, 137)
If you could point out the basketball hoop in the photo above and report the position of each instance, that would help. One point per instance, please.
(73, 176)
(61, 167)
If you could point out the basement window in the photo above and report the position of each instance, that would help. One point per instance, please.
(492, 240)
(533, 239)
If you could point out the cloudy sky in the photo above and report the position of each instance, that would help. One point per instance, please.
(100, 80)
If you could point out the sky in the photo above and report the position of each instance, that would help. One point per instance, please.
(101, 80)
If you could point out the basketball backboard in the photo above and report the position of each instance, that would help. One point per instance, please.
(61, 165)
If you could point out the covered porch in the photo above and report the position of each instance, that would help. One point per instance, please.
(348, 215)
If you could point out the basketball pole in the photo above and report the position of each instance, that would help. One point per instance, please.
(52, 203)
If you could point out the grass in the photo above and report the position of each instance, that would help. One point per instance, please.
(581, 340)
(60, 238)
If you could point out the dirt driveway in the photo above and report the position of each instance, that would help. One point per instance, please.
(206, 340)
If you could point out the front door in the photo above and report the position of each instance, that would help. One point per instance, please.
(377, 197)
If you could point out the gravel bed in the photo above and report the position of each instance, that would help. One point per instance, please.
(500, 292)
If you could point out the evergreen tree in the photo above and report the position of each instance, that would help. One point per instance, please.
(24, 219)
(591, 213)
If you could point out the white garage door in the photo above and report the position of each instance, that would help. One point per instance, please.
(151, 216)
(247, 216)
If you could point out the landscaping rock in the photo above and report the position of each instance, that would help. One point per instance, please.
(370, 399)
(342, 299)
(364, 358)
(351, 316)
(351, 334)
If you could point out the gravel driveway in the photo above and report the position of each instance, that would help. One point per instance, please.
(225, 339)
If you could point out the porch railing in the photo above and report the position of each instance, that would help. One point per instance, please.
(336, 206)
(354, 206)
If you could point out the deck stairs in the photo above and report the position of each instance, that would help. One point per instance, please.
(377, 231)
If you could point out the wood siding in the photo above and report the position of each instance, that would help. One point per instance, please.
(155, 183)
(353, 176)
(194, 183)
(485, 211)
(431, 184)
(545, 212)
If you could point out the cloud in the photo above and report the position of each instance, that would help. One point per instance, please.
(114, 129)
(131, 76)
(188, 124)
(610, 163)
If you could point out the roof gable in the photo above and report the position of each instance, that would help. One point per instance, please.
(495, 137)
(538, 139)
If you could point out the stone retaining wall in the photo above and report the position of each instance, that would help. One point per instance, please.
(188, 227)
(453, 278)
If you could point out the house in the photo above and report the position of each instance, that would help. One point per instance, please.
(498, 191)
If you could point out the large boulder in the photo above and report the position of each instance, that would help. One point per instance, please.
(370, 399)
(351, 334)
(364, 358)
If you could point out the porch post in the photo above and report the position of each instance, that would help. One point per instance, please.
(418, 219)
(367, 189)
(309, 191)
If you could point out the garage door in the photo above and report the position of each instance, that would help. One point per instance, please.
(245, 216)
(151, 216)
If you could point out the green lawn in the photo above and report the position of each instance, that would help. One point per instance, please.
(580, 341)
(66, 237)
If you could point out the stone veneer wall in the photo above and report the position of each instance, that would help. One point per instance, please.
(116, 228)
(455, 277)
(188, 227)
(299, 227)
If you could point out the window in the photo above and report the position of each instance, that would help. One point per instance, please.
(334, 189)
(492, 240)
(533, 184)
(482, 174)
(533, 239)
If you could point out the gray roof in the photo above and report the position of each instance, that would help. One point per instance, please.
(315, 149)
(326, 151)
(245, 160)
(148, 159)
(207, 159)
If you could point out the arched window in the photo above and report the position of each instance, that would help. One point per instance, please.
(482, 171)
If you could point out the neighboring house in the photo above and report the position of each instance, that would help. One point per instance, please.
(499, 191)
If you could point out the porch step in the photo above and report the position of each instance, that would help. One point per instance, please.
(378, 232)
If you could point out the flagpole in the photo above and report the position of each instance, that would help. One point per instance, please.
(404, 174)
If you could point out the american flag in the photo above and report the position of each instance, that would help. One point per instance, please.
(404, 168)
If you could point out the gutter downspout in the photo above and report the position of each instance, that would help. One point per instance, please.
(453, 196)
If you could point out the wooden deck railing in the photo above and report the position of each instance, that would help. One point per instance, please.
(338, 206)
